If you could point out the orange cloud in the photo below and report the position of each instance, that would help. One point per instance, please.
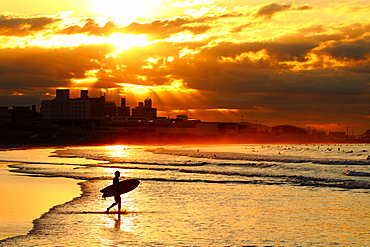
(17, 26)
(241, 58)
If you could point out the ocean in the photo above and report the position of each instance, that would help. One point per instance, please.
(205, 195)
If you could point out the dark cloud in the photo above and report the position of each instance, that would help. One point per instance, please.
(156, 29)
(36, 67)
(363, 67)
(234, 79)
(353, 50)
(241, 27)
(269, 10)
(314, 29)
(161, 29)
(10, 26)
(355, 30)
(304, 7)
(91, 28)
(206, 72)
(232, 15)
(33, 98)
(279, 51)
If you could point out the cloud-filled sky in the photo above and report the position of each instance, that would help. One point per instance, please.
(304, 63)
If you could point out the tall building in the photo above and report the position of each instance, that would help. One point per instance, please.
(96, 107)
(62, 107)
(109, 109)
(79, 108)
(148, 102)
(57, 108)
(145, 110)
(123, 110)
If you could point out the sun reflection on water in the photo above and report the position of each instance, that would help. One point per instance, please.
(118, 151)
(118, 222)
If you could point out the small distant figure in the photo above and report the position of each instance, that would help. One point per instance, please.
(117, 197)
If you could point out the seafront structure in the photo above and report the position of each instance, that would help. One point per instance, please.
(99, 115)
(95, 120)
(62, 107)
(104, 117)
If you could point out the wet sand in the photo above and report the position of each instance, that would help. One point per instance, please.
(25, 198)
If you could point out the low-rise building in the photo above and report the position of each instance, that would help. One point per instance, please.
(5, 116)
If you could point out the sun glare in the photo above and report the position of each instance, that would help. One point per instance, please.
(116, 147)
(125, 41)
(90, 77)
(119, 40)
(174, 86)
(125, 11)
(117, 151)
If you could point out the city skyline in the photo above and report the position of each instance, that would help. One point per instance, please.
(304, 63)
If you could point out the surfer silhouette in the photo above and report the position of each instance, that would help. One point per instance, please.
(117, 197)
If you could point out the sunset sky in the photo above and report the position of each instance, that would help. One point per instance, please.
(304, 63)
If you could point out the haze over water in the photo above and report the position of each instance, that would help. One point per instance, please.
(276, 195)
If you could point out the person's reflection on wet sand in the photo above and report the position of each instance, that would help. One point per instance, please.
(117, 223)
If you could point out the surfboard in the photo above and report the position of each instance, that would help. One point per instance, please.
(124, 187)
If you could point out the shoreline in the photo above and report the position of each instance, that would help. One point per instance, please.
(11, 140)
(26, 198)
(28, 146)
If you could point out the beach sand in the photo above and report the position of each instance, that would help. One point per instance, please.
(25, 198)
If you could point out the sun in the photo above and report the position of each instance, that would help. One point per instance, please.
(125, 10)
(125, 41)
